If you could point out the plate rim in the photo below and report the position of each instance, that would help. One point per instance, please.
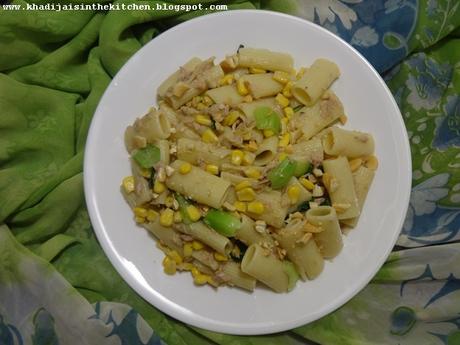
(157, 300)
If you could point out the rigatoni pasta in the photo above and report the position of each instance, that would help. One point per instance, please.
(243, 175)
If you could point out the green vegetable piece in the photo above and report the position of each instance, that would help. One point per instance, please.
(291, 272)
(267, 118)
(183, 203)
(296, 109)
(223, 222)
(282, 173)
(301, 168)
(303, 207)
(147, 156)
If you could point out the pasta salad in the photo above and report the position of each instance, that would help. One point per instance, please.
(243, 172)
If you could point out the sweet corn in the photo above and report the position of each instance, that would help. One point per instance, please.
(231, 118)
(255, 70)
(343, 119)
(212, 169)
(293, 193)
(268, 133)
(252, 172)
(284, 141)
(187, 249)
(282, 156)
(226, 79)
(177, 217)
(241, 87)
(169, 201)
(175, 256)
(209, 136)
(187, 266)
(281, 77)
(220, 257)
(185, 168)
(355, 164)
(256, 207)
(371, 162)
(169, 266)
(146, 172)
(195, 272)
(167, 217)
(151, 215)
(159, 187)
(203, 120)
(200, 106)
(307, 183)
(248, 99)
(196, 245)
(246, 194)
(128, 184)
(139, 220)
(240, 206)
(193, 213)
(201, 279)
(252, 146)
(237, 157)
(242, 185)
(312, 228)
(207, 101)
(282, 100)
(140, 212)
(248, 158)
(287, 90)
(289, 112)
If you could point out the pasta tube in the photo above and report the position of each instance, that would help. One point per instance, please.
(267, 151)
(315, 81)
(174, 78)
(152, 126)
(195, 151)
(248, 235)
(237, 277)
(262, 85)
(265, 59)
(203, 233)
(167, 236)
(226, 95)
(275, 208)
(352, 144)
(248, 108)
(309, 151)
(198, 185)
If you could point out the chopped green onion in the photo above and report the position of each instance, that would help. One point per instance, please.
(282, 173)
(147, 156)
(267, 118)
(305, 206)
(183, 203)
(223, 222)
(296, 109)
(301, 168)
(291, 272)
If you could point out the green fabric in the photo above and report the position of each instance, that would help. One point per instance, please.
(55, 67)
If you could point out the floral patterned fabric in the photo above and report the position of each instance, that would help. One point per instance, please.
(57, 286)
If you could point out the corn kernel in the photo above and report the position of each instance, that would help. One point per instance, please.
(282, 156)
(195, 272)
(140, 212)
(355, 164)
(187, 249)
(240, 206)
(209, 136)
(242, 185)
(287, 90)
(177, 217)
(312, 228)
(139, 220)
(200, 106)
(248, 99)
(169, 201)
(268, 133)
(196, 100)
(226, 80)
(293, 193)
(256, 207)
(289, 112)
(252, 146)
(252, 172)
(237, 157)
(212, 169)
(307, 183)
(371, 162)
(282, 100)
(248, 158)
(246, 194)
(343, 119)
(231, 118)
(169, 266)
(241, 87)
(201, 279)
(159, 187)
(128, 184)
(187, 266)
(281, 77)
(185, 168)
(203, 120)
(220, 257)
(175, 256)
(166, 217)
(151, 215)
(284, 141)
(207, 101)
(197, 245)
(146, 172)
(255, 70)
(193, 213)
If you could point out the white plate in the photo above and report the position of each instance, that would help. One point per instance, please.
(370, 107)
